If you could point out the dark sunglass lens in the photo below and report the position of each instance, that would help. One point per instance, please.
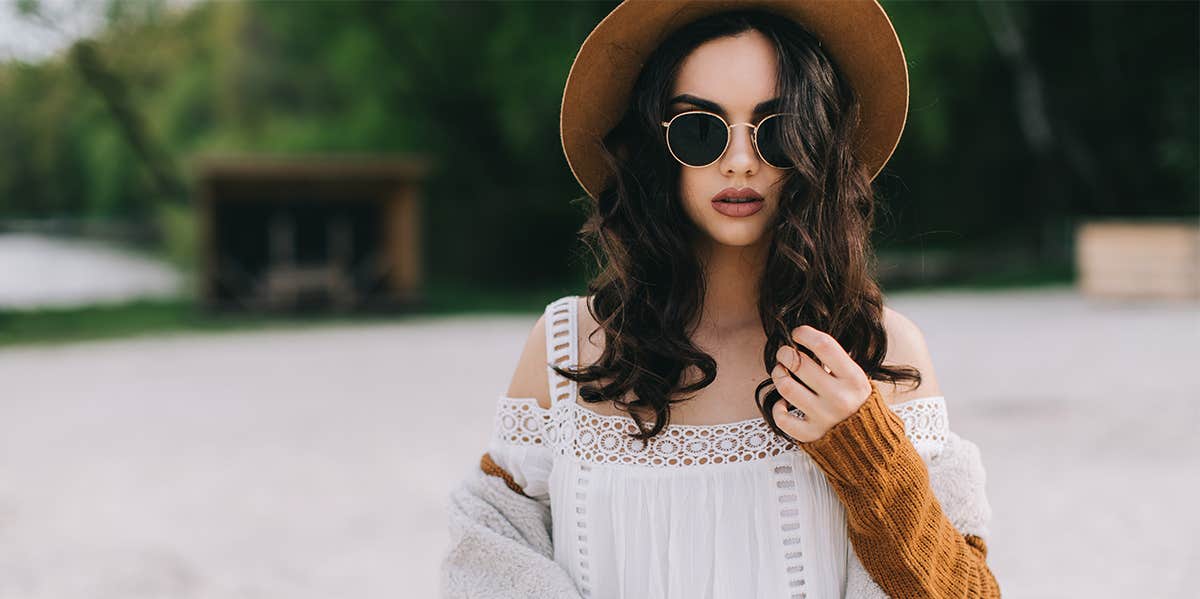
(697, 138)
(770, 140)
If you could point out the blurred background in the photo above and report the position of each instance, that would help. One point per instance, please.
(253, 255)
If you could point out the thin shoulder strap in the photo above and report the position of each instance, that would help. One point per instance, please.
(560, 346)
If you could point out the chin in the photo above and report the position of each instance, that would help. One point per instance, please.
(745, 236)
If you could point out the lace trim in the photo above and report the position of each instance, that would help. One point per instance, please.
(581, 487)
(561, 350)
(926, 422)
(560, 347)
(789, 518)
(604, 439)
(520, 421)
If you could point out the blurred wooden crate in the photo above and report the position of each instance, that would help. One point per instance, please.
(1133, 258)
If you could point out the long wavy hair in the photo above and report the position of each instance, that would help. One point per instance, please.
(650, 284)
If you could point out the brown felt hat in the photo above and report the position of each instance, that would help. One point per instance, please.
(856, 34)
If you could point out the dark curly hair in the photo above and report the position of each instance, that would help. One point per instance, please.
(650, 282)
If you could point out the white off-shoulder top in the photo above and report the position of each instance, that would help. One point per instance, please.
(707, 511)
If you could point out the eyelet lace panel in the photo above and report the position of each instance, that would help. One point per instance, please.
(926, 423)
(581, 488)
(560, 318)
(560, 347)
(520, 421)
(561, 351)
(605, 439)
(789, 518)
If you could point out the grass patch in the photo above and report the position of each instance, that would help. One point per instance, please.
(64, 325)
(61, 325)
(54, 325)
(1034, 276)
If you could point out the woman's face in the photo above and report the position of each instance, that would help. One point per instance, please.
(736, 74)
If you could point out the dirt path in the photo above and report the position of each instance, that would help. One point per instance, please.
(315, 463)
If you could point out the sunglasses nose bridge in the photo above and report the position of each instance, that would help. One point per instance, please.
(753, 127)
(753, 138)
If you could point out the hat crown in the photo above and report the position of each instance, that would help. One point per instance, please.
(857, 35)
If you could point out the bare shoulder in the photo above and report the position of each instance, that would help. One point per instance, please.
(906, 346)
(584, 305)
(530, 378)
(591, 336)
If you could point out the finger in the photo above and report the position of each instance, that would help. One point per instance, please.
(826, 349)
(784, 409)
(806, 369)
(797, 427)
(788, 357)
(793, 391)
(798, 394)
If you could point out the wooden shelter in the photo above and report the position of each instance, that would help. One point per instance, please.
(310, 233)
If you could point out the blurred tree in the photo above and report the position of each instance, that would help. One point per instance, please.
(87, 59)
(155, 159)
(1044, 202)
(1023, 116)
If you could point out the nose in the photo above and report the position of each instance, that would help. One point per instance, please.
(740, 157)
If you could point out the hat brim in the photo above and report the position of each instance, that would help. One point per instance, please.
(856, 34)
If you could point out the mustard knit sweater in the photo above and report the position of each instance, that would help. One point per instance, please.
(895, 523)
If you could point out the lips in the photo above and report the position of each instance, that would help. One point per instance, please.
(732, 193)
(737, 202)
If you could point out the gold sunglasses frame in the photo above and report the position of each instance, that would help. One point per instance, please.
(728, 137)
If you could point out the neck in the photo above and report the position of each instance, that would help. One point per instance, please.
(733, 274)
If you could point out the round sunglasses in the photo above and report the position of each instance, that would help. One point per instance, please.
(698, 138)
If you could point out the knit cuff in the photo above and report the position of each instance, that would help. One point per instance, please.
(864, 445)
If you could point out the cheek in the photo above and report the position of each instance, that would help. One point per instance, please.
(775, 194)
(692, 190)
(686, 194)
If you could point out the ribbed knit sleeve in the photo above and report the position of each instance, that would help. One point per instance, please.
(896, 524)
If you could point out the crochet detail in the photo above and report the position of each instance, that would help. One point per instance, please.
(789, 518)
(560, 319)
(926, 423)
(581, 486)
(520, 421)
(604, 439)
(560, 347)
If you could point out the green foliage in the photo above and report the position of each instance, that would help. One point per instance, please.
(179, 228)
(477, 86)
(158, 316)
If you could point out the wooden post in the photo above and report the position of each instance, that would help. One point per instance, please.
(404, 240)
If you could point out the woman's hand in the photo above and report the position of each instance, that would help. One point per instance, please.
(838, 385)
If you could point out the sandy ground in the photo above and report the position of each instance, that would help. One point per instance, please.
(316, 463)
(40, 271)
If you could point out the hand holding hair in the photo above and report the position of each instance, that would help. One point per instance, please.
(827, 392)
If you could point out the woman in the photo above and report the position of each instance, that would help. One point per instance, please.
(727, 426)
